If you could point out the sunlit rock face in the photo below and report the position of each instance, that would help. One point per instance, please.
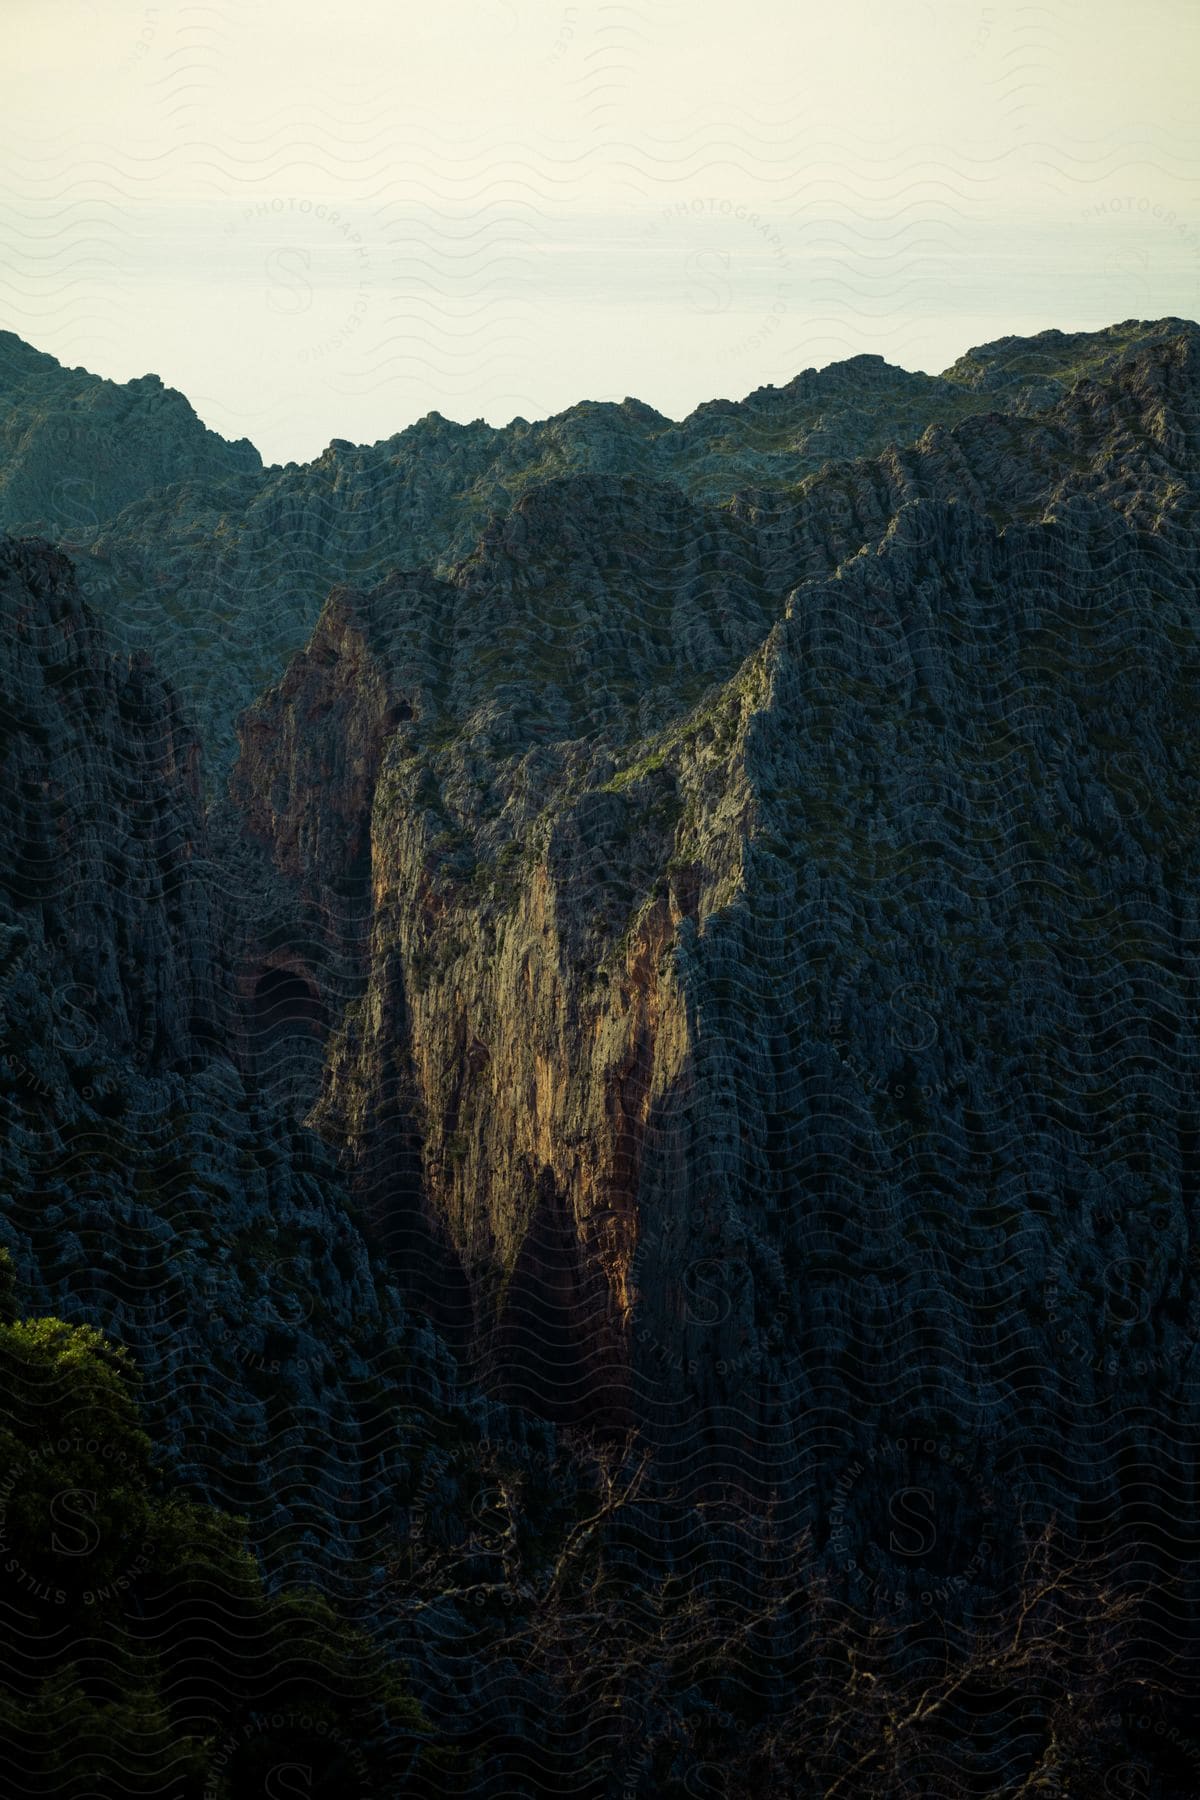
(775, 1025)
(159, 1051)
(700, 940)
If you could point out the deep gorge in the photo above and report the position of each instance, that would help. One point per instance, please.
(607, 1011)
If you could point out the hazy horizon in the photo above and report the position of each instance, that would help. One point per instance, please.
(502, 209)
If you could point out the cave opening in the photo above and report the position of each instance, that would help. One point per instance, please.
(287, 1026)
(285, 1002)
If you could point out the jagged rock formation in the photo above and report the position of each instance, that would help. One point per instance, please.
(780, 975)
(218, 567)
(75, 450)
(154, 1179)
(713, 951)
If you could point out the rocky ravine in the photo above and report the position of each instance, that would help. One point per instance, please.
(725, 971)
(777, 1022)
(154, 1179)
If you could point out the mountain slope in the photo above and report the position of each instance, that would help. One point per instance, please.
(649, 1141)
(219, 567)
(779, 978)
(75, 450)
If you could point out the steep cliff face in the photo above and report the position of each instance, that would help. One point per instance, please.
(781, 964)
(153, 1178)
(103, 820)
(728, 970)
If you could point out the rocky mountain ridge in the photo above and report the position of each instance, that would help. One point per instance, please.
(219, 567)
(656, 969)
(76, 449)
(711, 970)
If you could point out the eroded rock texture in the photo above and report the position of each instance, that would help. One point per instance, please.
(219, 567)
(778, 986)
(155, 1179)
(700, 944)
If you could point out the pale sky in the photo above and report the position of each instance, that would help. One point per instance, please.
(322, 222)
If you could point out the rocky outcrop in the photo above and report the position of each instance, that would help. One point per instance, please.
(780, 969)
(75, 450)
(218, 568)
(721, 971)
(103, 823)
(153, 1178)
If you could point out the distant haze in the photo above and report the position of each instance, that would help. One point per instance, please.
(325, 224)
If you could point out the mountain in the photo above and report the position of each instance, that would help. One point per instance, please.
(646, 1140)
(189, 549)
(150, 1184)
(872, 849)
(75, 450)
